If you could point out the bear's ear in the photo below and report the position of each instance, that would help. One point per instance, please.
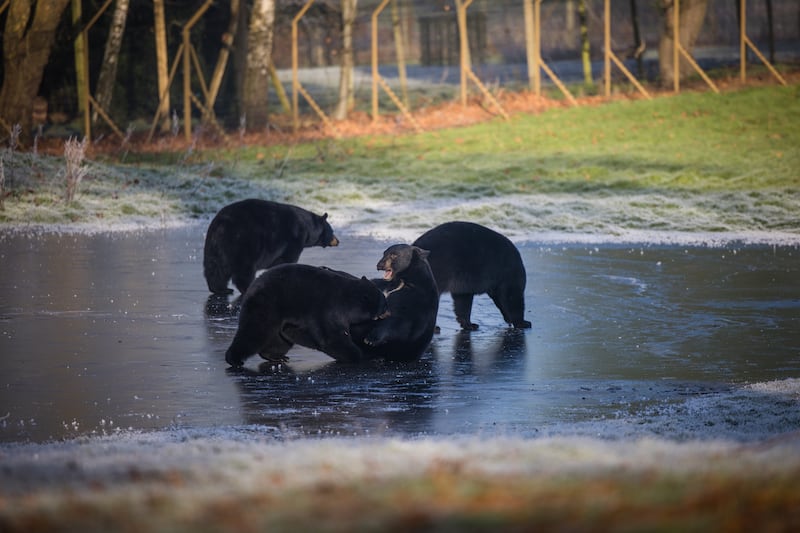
(422, 253)
(364, 278)
(325, 216)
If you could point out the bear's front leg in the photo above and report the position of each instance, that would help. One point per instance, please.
(275, 349)
(388, 330)
(341, 347)
(273, 357)
(246, 342)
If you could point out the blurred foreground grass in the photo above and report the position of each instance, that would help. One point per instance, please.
(386, 485)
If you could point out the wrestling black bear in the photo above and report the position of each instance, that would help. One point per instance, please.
(413, 303)
(253, 234)
(306, 305)
(468, 259)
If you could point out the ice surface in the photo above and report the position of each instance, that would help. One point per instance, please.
(664, 339)
(115, 332)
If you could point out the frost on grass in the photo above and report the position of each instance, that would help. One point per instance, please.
(112, 197)
(2, 185)
(75, 170)
(185, 482)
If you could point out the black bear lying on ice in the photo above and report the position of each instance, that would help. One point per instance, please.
(254, 234)
(413, 303)
(468, 259)
(306, 305)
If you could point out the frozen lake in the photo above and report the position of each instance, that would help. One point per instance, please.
(113, 332)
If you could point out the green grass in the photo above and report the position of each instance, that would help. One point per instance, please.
(700, 141)
(743, 142)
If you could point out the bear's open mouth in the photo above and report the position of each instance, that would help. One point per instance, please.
(388, 274)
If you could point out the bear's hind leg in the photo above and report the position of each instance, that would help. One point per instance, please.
(511, 303)
(462, 303)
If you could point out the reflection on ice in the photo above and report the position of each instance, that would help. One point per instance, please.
(110, 333)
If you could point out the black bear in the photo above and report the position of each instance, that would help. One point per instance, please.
(254, 234)
(468, 259)
(307, 305)
(413, 303)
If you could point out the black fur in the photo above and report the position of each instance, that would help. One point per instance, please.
(301, 304)
(413, 303)
(253, 234)
(468, 259)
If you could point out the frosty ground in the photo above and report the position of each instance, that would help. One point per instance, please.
(721, 458)
(636, 472)
(182, 481)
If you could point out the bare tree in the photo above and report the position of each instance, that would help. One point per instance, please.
(586, 57)
(346, 81)
(162, 61)
(691, 17)
(400, 50)
(638, 43)
(74, 154)
(259, 56)
(108, 71)
(27, 41)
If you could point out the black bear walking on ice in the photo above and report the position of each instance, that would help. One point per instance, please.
(254, 234)
(306, 305)
(468, 259)
(413, 303)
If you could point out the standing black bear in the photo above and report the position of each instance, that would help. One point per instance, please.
(301, 304)
(413, 303)
(254, 234)
(468, 259)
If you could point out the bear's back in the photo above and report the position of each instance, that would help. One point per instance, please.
(468, 257)
(260, 212)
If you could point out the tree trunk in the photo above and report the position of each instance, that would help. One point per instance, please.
(770, 32)
(240, 58)
(27, 41)
(346, 81)
(638, 44)
(224, 54)
(259, 55)
(400, 50)
(531, 50)
(692, 15)
(162, 62)
(108, 72)
(586, 55)
(80, 49)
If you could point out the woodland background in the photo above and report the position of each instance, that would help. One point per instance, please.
(42, 61)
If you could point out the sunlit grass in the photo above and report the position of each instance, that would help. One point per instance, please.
(741, 142)
(700, 141)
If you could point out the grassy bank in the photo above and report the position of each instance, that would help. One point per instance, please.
(746, 139)
(741, 143)
(387, 485)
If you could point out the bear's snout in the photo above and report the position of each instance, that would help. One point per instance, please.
(334, 241)
(385, 264)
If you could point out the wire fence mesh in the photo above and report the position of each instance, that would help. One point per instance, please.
(431, 49)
